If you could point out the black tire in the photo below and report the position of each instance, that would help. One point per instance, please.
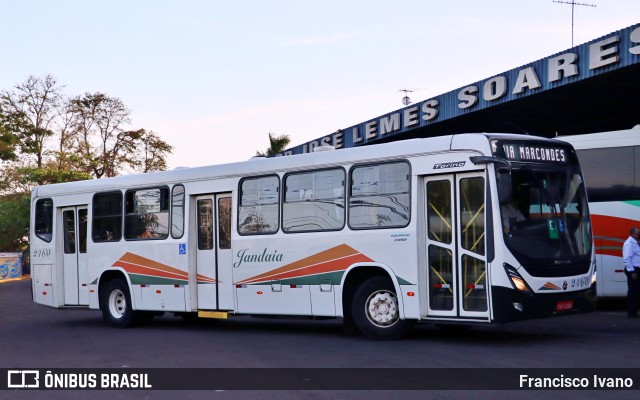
(376, 312)
(115, 303)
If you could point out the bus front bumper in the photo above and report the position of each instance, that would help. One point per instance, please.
(512, 305)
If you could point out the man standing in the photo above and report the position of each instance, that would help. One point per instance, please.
(631, 258)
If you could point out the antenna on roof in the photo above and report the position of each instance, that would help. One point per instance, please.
(573, 5)
(406, 100)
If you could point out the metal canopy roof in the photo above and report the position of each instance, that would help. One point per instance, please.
(589, 88)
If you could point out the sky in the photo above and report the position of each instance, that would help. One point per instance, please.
(214, 78)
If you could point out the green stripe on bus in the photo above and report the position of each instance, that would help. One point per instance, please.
(333, 278)
(154, 280)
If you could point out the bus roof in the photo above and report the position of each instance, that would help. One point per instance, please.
(622, 138)
(472, 142)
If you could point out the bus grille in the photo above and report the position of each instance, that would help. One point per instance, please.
(554, 271)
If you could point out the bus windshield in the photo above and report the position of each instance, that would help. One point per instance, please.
(545, 216)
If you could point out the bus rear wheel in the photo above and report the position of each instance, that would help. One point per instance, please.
(376, 311)
(116, 304)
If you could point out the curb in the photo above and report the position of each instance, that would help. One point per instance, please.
(22, 278)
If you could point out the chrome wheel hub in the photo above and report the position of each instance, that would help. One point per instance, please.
(382, 308)
(117, 303)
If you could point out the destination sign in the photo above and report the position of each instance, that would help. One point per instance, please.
(532, 152)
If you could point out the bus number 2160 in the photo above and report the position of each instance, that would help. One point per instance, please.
(41, 253)
(580, 282)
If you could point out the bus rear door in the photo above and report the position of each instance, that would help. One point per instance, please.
(74, 243)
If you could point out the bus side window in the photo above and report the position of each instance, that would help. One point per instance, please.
(147, 214)
(258, 209)
(106, 223)
(313, 201)
(380, 196)
(609, 173)
(44, 219)
(177, 211)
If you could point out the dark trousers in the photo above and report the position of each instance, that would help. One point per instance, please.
(633, 292)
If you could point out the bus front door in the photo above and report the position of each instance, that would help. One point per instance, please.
(213, 257)
(455, 246)
(74, 243)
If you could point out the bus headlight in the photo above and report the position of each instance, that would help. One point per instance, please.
(516, 280)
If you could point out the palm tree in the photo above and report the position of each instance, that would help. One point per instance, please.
(276, 145)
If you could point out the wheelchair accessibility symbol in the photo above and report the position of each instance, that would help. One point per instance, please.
(182, 248)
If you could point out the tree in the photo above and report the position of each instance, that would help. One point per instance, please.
(34, 106)
(33, 113)
(66, 157)
(14, 221)
(47, 137)
(152, 152)
(276, 145)
(105, 147)
(29, 116)
(8, 139)
(99, 122)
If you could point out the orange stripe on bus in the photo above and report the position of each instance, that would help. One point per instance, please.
(612, 227)
(334, 253)
(135, 264)
(144, 270)
(329, 266)
(136, 259)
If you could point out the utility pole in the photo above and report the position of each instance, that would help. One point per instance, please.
(573, 4)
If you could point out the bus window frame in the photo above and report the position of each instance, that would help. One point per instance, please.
(40, 236)
(125, 214)
(278, 204)
(93, 216)
(610, 193)
(171, 207)
(350, 193)
(344, 197)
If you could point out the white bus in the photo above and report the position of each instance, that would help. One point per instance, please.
(382, 236)
(611, 165)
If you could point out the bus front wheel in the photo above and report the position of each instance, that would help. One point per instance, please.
(116, 304)
(376, 311)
